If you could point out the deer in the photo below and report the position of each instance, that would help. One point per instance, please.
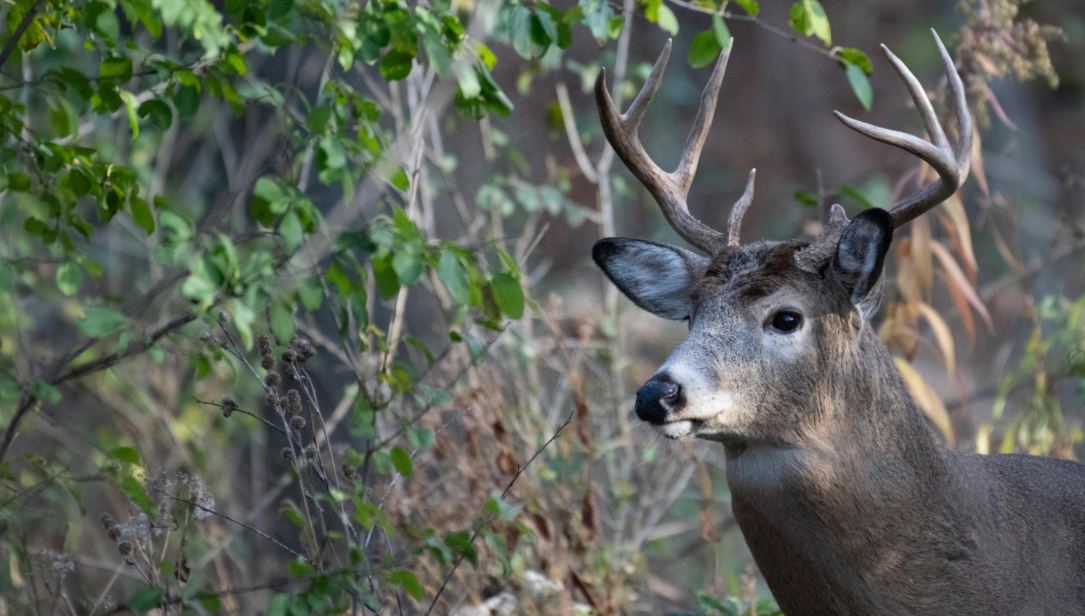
(848, 498)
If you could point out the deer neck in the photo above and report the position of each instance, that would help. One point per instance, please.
(831, 517)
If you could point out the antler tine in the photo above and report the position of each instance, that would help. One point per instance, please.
(670, 190)
(734, 223)
(951, 163)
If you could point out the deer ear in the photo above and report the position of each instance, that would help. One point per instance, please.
(657, 277)
(859, 257)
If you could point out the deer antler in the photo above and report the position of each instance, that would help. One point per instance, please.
(951, 164)
(670, 190)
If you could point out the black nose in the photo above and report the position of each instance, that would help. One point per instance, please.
(656, 397)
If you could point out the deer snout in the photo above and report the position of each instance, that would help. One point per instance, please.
(657, 397)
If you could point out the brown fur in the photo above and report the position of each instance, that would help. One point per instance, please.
(848, 500)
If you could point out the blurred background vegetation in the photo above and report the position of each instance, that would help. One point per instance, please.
(297, 314)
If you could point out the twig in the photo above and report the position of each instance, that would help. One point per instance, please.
(794, 38)
(569, 120)
(19, 31)
(486, 521)
(102, 363)
(247, 527)
(243, 412)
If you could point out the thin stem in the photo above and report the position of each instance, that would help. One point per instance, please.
(486, 521)
(247, 527)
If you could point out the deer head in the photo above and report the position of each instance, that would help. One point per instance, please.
(775, 327)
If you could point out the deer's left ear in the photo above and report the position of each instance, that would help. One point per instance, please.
(860, 255)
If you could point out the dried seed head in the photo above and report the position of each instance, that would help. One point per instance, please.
(290, 356)
(267, 363)
(114, 532)
(130, 561)
(297, 422)
(206, 337)
(272, 379)
(125, 548)
(286, 454)
(224, 317)
(229, 405)
(263, 343)
(303, 348)
(107, 520)
(310, 451)
(350, 472)
(293, 402)
(271, 398)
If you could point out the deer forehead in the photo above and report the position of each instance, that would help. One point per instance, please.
(745, 275)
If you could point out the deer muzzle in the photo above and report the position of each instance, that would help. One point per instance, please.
(658, 397)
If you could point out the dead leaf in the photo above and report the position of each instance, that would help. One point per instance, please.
(954, 273)
(942, 335)
(926, 398)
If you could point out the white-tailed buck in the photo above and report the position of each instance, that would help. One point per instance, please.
(849, 501)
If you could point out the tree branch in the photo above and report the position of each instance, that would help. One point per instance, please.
(97, 365)
(19, 31)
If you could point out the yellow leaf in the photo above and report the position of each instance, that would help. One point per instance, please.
(942, 335)
(926, 398)
(978, 171)
(954, 274)
(921, 253)
(959, 220)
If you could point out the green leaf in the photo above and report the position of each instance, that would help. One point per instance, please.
(290, 230)
(460, 543)
(750, 6)
(99, 321)
(69, 278)
(704, 49)
(311, 294)
(45, 392)
(454, 276)
(385, 277)
(807, 17)
(851, 55)
(128, 455)
(133, 489)
(806, 198)
(141, 213)
(401, 460)
(519, 26)
(146, 599)
(860, 84)
(508, 295)
(10, 390)
(131, 106)
(467, 80)
(63, 119)
(18, 182)
(117, 69)
(859, 196)
(396, 65)
(408, 582)
(318, 118)
(158, 112)
(719, 27)
(282, 322)
(400, 179)
(667, 20)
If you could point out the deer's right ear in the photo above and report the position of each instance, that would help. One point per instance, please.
(657, 277)
(860, 255)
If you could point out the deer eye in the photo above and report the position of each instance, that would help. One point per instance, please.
(786, 321)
